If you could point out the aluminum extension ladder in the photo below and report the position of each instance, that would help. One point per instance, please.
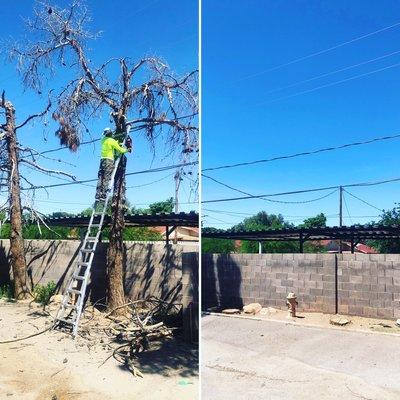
(74, 296)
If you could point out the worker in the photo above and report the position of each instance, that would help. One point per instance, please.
(110, 151)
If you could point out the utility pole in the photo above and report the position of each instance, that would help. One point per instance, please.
(340, 213)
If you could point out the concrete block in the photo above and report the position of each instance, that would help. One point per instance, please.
(328, 285)
(392, 257)
(355, 279)
(370, 312)
(385, 313)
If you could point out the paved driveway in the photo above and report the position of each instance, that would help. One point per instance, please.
(248, 359)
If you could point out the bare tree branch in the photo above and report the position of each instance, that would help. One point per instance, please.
(47, 171)
(38, 115)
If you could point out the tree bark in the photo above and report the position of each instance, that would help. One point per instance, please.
(17, 250)
(115, 253)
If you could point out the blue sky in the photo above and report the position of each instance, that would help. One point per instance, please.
(133, 29)
(246, 118)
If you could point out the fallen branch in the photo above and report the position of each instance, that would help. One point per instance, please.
(26, 337)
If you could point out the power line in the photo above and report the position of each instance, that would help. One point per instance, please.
(333, 72)
(361, 184)
(347, 209)
(86, 204)
(151, 183)
(363, 201)
(295, 219)
(239, 214)
(136, 128)
(328, 84)
(305, 153)
(273, 201)
(159, 169)
(317, 53)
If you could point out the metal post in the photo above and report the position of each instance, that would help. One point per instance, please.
(167, 234)
(340, 214)
(177, 178)
(352, 245)
(259, 247)
(301, 242)
(336, 285)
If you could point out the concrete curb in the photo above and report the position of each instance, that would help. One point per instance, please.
(306, 325)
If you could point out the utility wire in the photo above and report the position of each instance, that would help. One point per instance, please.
(136, 128)
(272, 201)
(317, 53)
(332, 72)
(328, 85)
(347, 209)
(151, 183)
(305, 153)
(363, 201)
(361, 184)
(159, 169)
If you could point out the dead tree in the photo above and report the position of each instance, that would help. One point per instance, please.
(12, 159)
(17, 251)
(146, 95)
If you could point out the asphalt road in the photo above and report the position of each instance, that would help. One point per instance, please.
(248, 359)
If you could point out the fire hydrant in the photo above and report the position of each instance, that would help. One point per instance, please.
(291, 302)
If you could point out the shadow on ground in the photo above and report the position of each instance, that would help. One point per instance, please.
(168, 358)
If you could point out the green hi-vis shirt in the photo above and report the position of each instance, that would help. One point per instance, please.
(109, 146)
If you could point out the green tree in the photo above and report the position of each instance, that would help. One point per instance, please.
(141, 233)
(60, 214)
(319, 221)
(210, 245)
(166, 206)
(388, 218)
(264, 221)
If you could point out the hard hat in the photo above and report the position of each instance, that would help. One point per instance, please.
(107, 131)
(291, 295)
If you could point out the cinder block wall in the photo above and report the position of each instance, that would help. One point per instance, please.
(368, 285)
(151, 268)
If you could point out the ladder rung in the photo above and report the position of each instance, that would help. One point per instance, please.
(71, 322)
(95, 225)
(87, 250)
(83, 263)
(75, 291)
(78, 277)
(92, 238)
(73, 306)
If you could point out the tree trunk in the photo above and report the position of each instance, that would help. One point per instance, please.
(115, 253)
(17, 250)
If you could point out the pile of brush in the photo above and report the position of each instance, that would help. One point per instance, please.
(132, 327)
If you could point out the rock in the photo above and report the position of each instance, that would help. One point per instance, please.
(383, 325)
(339, 321)
(398, 322)
(57, 298)
(252, 308)
(231, 311)
(65, 360)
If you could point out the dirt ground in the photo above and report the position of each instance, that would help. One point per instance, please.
(53, 366)
(265, 359)
(324, 320)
